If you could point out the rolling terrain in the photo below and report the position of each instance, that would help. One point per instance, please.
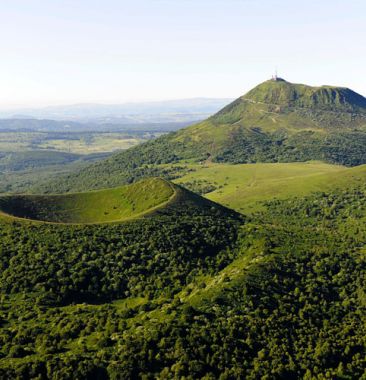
(246, 187)
(33, 151)
(144, 198)
(277, 121)
(194, 290)
(243, 266)
(38, 159)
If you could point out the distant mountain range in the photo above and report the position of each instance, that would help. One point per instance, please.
(139, 112)
(277, 121)
(67, 126)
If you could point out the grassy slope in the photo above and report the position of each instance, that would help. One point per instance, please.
(91, 207)
(280, 105)
(245, 187)
(284, 93)
(275, 122)
(242, 187)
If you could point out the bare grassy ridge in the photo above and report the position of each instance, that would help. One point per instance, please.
(91, 207)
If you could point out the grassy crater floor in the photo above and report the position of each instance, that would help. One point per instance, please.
(101, 206)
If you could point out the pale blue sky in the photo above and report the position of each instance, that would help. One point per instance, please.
(58, 52)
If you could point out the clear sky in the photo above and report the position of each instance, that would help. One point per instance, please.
(61, 51)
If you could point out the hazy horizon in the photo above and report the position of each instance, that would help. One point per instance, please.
(88, 52)
(122, 103)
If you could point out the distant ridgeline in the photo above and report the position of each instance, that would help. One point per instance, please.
(277, 121)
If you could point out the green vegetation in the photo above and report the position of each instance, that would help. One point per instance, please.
(285, 94)
(21, 170)
(92, 207)
(86, 142)
(28, 157)
(181, 287)
(109, 261)
(276, 122)
(190, 293)
(20, 161)
(94, 142)
(245, 187)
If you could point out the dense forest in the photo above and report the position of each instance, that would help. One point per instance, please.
(208, 294)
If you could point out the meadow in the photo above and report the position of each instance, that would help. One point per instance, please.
(244, 187)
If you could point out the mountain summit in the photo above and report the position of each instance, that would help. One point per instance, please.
(277, 121)
(283, 93)
(282, 97)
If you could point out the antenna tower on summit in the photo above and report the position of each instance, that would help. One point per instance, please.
(275, 76)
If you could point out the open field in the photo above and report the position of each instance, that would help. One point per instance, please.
(78, 142)
(245, 187)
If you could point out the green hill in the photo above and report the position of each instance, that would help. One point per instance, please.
(282, 93)
(277, 121)
(147, 197)
(91, 207)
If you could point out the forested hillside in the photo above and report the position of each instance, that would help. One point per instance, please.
(277, 121)
(194, 291)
